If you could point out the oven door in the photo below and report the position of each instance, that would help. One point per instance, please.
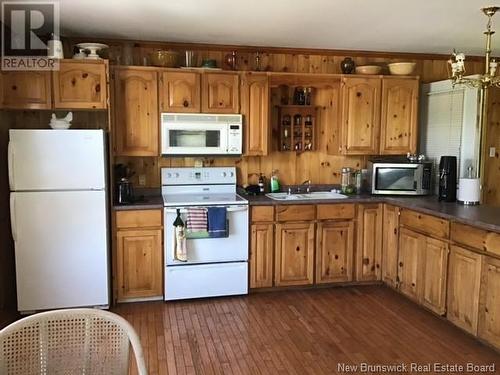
(194, 139)
(397, 179)
(232, 248)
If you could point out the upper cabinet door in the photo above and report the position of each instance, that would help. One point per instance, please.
(399, 116)
(80, 85)
(255, 110)
(25, 90)
(360, 115)
(180, 92)
(136, 112)
(220, 93)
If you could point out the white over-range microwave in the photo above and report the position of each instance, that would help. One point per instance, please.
(201, 134)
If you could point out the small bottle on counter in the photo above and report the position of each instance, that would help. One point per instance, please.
(261, 184)
(274, 184)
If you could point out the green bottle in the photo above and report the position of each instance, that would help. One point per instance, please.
(275, 183)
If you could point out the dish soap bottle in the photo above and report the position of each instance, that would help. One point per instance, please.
(275, 183)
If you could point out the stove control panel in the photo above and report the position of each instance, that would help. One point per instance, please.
(198, 176)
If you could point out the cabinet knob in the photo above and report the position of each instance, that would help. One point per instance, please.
(366, 260)
(185, 103)
(400, 264)
(98, 88)
(395, 231)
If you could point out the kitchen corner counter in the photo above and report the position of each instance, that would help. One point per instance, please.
(150, 202)
(484, 217)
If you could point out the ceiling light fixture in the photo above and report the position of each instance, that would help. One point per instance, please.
(482, 82)
(489, 77)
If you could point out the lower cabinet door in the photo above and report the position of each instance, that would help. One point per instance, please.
(294, 254)
(489, 302)
(261, 255)
(139, 263)
(410, 247)
(334, 251)
(464, 276)
(435, 266)
(390, 245)
(369, 242)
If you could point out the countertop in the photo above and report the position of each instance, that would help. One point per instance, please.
(147, 199)
(485, 217)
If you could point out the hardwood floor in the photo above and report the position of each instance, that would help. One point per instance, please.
(298, 332)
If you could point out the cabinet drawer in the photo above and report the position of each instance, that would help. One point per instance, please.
(138, 218)
(335, 211)
(295, 213)
(425, 223)
(477, 238)
(262, 213)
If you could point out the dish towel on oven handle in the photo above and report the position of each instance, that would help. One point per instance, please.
(217, 222)
(196, 226)
(179, 239)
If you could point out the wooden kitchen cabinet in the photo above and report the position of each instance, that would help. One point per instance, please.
(261, 255)
(435, 268)
(25, 90)
(138, 258)
(180, 91)
(334, 251)
(360, 115)
(255, 110)
(220, 93)
(398, 125)
(294, 258)
(369, 242)
(464, 278)
(489, 302)
(390, 245)
(81, 85)
(410, 255)
(139, 263)
(136, 120)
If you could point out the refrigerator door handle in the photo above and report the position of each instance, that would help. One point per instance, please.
(13, 223)
(10, 157)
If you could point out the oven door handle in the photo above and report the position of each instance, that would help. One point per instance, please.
(229, 209)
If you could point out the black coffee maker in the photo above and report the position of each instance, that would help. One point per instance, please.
(124, 193)
(448, 179)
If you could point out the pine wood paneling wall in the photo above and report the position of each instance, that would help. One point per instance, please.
(293, 168)
(492, 166)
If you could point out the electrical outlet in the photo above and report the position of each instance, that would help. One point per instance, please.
(142, 180)
(492, 152)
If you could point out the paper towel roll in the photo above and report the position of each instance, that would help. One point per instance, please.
(468, 191)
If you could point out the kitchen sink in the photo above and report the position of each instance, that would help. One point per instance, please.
(327, 195)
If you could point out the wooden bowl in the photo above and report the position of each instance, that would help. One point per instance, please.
(402, 68)
(165, 59)
(368, 69)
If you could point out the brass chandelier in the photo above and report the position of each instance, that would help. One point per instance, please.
(457, 61)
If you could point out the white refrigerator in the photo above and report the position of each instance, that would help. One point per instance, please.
(58, 206)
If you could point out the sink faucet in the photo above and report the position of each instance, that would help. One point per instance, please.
(308, 183)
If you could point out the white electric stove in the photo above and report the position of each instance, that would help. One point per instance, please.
(215, 266)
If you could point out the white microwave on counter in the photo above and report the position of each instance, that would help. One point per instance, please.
(184, 134)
